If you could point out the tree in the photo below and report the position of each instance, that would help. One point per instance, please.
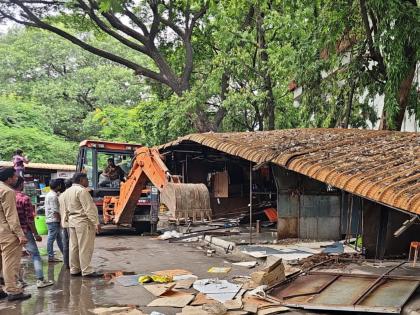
(152, 26)
(39, 66)
(351, 52)
(23, 125)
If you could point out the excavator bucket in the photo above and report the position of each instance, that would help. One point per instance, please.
(187, 200)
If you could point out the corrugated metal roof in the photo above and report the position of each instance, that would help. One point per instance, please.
(383, 166)
(43, 166)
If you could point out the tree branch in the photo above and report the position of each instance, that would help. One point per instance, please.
(8, 16)
(374, 54)
(90, 11)
(136, 21)
(139, 70)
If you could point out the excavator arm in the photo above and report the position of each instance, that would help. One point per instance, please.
(148, 166)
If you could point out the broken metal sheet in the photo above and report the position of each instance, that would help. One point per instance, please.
(347, 292)
(391, 293)
(302, 287)
(286, 254)
(220, 290)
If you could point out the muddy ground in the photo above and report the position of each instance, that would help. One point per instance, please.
(118, 251)
(114, 251)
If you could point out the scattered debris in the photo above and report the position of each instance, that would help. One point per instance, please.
(235, 304)
(169, 234)
(155, 278)
(220, 290)
(219, 269)
(201, 299)
(185, 283)
(174, 299)
(272, 310)
(272, 273)
(193, 310)
(128, 281)
(159, 289)
(248, 264)
(334, 248)
(251, 308)
(172, 272)
(116, 310)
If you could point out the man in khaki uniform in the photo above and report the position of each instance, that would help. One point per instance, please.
(11, 236)
(83, 225)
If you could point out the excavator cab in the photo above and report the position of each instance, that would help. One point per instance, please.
(94, 158)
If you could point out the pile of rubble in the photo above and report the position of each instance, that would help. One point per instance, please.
(181, 289)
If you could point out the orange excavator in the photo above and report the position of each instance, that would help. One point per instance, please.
(121, 205)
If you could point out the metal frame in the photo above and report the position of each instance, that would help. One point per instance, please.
(355, 305)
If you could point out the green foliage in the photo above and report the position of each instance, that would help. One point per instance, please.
(69, 81)
(149, 123)
(245, 54)
(25, 125)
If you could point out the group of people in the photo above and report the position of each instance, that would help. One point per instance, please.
(72, 220)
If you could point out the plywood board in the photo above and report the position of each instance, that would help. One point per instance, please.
(159, 289)
(221, 185)
(172, 272)
(235, 304)
(172, 301)
(202, 298)
(185, 284)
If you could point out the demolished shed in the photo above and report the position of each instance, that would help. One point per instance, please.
(325, 183)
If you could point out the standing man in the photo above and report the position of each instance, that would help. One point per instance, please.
(83, 224)
(64, 213)
(11, 237)
(25, 211)
(52, 216)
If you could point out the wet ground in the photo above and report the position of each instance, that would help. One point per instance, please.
(114, 251)
(122, 252)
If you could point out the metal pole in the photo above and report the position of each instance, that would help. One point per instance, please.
(250, 202)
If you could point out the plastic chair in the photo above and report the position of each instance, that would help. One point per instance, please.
(415, 246)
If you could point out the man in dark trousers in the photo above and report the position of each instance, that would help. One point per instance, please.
(64, 214)
(12, 237)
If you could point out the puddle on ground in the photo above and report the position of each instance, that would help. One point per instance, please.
(109, 275)
(117, 249)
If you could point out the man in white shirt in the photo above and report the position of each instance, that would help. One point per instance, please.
(52, 216)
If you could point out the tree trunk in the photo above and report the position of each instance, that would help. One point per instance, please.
(221, 113)
(402, 97)
(268, 85)
(350, 106)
